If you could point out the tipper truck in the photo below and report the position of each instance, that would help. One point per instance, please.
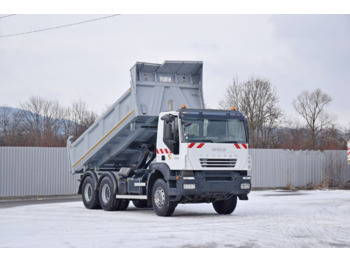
(158, 146)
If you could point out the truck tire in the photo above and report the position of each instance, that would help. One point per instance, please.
(140, 203)
(107, 199)
(225, 207)
(160, 199)
(89, 195)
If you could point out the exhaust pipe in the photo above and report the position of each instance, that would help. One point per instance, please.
(170, 105)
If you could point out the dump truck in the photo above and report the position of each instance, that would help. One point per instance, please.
(158, 146)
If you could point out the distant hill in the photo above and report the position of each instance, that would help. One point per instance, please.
(13, 110)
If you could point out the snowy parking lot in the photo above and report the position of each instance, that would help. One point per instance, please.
(268, 219)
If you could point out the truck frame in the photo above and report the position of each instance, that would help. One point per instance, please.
(144, 151)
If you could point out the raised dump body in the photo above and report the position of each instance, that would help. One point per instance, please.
(116, 139)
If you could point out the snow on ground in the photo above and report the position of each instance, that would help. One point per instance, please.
(268, 219)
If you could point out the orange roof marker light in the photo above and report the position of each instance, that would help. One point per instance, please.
(233, 108)
(183, 106)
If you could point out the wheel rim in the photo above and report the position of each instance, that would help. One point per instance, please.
(106, 193)
(88, 192)
(159, 197)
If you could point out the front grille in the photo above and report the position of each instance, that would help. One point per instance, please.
(217, 162)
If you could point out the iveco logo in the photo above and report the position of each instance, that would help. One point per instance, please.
(219, 149)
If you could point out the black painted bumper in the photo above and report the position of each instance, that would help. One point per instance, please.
(207, 186)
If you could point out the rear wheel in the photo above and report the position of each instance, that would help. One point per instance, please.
(140, 203)
(160, 199)
(89, 194)
(225, 207)
(107, 198)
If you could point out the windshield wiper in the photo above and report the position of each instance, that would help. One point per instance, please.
(235, 142)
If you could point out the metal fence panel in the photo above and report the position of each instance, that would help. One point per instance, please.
(34, 171)
(276, 168)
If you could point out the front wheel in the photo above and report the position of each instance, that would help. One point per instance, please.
(160, 199)
(225, 207)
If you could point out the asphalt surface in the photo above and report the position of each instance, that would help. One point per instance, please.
(15, 202)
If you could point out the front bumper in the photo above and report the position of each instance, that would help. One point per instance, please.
(207, 186)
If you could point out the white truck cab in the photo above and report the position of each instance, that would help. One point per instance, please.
(203, 140)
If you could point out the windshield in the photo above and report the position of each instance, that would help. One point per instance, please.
(213, 130)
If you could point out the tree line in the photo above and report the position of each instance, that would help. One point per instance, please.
(257, 100)
(43, 123)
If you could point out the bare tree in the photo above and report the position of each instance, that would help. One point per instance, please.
(292, 135)
(42, 120)
(5, 121)
(346, 132)
(311, 106)
(257, 100)
(32, 119)
(53, 117)
(331, 138)
(17, 132)
(82, 117)
(11, 127)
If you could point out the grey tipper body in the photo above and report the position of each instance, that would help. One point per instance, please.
(141, 149)
(131, 118)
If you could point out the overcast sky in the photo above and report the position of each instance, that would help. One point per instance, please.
(91, 61)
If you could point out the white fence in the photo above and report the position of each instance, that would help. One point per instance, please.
(276, 168)
(34, 171)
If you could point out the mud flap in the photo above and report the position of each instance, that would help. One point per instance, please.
(243, 197)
